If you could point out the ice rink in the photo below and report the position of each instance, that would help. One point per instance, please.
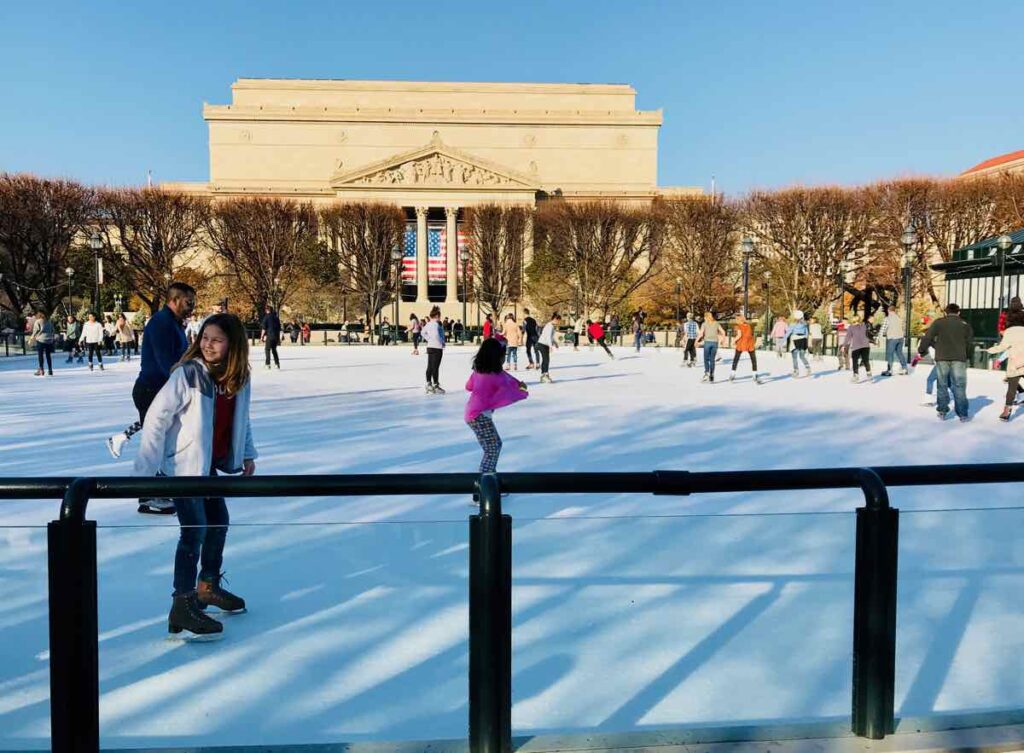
(630, 613)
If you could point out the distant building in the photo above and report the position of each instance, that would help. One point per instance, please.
(434, 149)
(1012, 162)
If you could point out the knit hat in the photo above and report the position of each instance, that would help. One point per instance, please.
(798, 314)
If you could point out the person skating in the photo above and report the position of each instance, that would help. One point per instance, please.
(708, 337)
(638, 332)
(43, 335)
(490, 388)
(692, 330)
(778, 335)
(842, 347)
(531, 333)
(415, 330)
(270, 335)
(547, 341)
(578, 328)
(198, 425)
(858, 341)
(1011, 345)
(433, 336)
(71, 335)
(745, 343)
(513, 336)
(488, 328)
(125, 337)
(892, 333)
(92, 338)
(817, 339)
(163, 344)
(951, 337)
(797, 334)
(596, 332)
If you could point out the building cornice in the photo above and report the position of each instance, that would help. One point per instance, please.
(311, 114)
(336, 85)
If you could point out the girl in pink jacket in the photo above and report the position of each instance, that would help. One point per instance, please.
(490, 388)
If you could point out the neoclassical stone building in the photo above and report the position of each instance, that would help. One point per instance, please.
(433, 149)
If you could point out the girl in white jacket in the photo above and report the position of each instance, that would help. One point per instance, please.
(1012, 344)
(197, 425)
(92, 340)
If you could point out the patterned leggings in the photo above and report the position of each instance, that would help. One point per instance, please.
(489, 440)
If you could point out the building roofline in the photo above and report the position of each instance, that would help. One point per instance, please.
(1002, 159)
(342, 84)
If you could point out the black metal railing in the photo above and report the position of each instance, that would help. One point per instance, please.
(73, 611)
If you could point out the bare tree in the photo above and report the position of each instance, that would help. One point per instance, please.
(40, 222)
(261, 242)
(496, 240)
(701, 238)
(152, 235)
(804, 234)
(360, 241)
(595, 254)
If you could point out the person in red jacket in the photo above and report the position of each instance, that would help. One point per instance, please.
(596, 331)
(488, 327)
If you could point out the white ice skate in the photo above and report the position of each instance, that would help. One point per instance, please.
(116, 443)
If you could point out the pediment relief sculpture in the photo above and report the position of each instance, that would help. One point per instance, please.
(434, 170)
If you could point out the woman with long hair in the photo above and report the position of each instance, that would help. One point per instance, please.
(708, 337)
(197, 425)
(745, 343)
(490, 388)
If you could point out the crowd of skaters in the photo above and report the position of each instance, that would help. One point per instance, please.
(192, 392)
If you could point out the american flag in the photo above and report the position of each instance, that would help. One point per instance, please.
(437, 257)
(409, 256)
(469, 262)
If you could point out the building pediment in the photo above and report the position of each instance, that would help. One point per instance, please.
(433, 166)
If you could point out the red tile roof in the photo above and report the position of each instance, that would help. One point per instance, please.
(995, 162)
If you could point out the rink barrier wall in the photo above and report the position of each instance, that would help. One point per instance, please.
(72, 569)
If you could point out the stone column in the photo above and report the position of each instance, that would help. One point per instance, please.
(421, 256)
(527, 254)
(452, 271)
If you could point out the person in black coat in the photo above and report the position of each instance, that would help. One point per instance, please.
(271, 336)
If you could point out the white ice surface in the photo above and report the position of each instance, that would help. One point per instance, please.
(630, 612)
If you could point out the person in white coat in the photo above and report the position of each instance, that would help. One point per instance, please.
(1012, 346)
(197, 425)
(546, 342)
(433, 335)
(92, 340)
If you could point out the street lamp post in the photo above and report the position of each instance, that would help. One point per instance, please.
(464, 258)
(679, 293)
(767, 306)
(70, 272)
(748, 249)
(908, 240)
(396, 257)
(96, 244)
(1003, 243)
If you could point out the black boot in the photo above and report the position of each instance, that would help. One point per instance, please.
(210, 594)
(187, 617)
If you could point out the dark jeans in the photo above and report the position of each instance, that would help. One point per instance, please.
(434, 366)
(45, 350)
(204, 527)
(952, 376)
(691, 350)
(271, 348)
(531, 345)
(603, 344)
(544, 352)
(96, 348)
(710, 354)
(142, 396)
(860, 355)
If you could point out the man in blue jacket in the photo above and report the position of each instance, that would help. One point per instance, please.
(163, 344)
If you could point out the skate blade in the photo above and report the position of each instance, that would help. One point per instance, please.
(211, 609)
(186, 637)
(110, 447)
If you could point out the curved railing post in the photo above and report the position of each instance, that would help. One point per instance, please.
(74, 625)
(490, 622)
(874, 610)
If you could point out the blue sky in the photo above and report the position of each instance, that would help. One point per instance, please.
(758, 94)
